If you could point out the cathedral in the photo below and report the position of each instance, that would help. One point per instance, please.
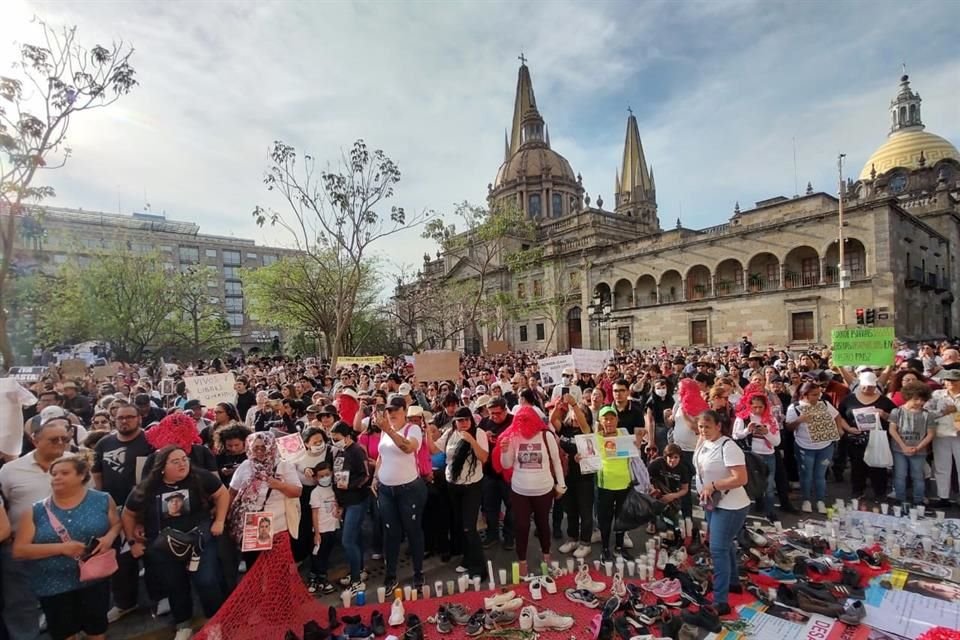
(783, 272)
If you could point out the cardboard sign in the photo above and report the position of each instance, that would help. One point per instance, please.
(106, 372)
(211, 389)
(590, 360)
(551, 368)
(871, 346)
(496, 347)
(73, 368)
(436, 366)
(360, 361)
(27, 374)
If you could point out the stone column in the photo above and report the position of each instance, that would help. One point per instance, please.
(783, 275)
(683, 289)
(657, 292)
(823, 270)
(746, 279)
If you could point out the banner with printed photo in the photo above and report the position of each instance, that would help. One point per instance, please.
(257, 531)
(591, 360)
(291, 447)
(211, 389)
(587, 449)
(552, 367)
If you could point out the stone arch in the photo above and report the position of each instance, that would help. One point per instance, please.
(646, 291)
(622, 294)
(763, 271)
(574, 328)
(854, 258)
(728, 277)
(671, 286)
(602, 290)
(801, 267)
(698, 282)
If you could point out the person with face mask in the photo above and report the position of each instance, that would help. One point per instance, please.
(315, 440)
(351, 481)
(659, 407)
(326, 521)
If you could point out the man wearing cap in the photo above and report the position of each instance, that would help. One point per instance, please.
(75, 403)
(194, 408)
(946, 441)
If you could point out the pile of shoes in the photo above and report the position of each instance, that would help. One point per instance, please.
(353, 628)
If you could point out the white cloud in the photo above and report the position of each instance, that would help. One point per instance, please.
(721, 89)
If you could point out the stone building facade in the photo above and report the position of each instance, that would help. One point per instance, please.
(50, 236)
(771, 272)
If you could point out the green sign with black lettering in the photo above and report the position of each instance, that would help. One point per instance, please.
(871, 346)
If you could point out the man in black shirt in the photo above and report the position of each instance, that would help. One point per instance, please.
(246, 398)
(630, 414)
(117, 457)
(148, 413)
(496, 489)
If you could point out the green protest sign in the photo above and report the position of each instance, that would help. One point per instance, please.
(867, 346)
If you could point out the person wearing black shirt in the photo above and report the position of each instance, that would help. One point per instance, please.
(231, 450)
(149, 414)
(659, 401)
(496, 490)
(630, 413)
(670, 481)
(350, 486)
(116, 460)
(568, 418)
(246, 398)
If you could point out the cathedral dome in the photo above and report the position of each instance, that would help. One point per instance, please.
(534, 161)
(903, 149)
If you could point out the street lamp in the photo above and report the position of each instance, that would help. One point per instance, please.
(599, 312)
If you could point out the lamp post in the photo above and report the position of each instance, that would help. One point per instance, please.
(599, 312)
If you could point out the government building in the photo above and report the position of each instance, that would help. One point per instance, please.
(615, 275)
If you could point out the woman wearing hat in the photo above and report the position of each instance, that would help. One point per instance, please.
(863, 410)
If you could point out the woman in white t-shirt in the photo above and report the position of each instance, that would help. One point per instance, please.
(401, 492)
(466, 449)
(814, 445)
(721, 475)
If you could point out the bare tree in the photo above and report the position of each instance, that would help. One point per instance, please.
(335, 216)
(52, 82)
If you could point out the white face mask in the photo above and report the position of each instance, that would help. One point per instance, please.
(338, 445)
(325, 481)
(318, 449)
(661, 392)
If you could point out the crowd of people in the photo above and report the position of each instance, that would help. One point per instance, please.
(116, 472)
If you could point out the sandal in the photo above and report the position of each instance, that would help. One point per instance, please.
(594, 627)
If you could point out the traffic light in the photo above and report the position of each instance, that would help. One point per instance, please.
(860, 316)
(871, 316)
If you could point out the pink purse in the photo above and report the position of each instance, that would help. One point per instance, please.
(102, 565)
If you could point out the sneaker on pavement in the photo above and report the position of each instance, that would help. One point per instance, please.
(551, 621)
(806, 507)
(581, 596)
(498, 618)
(536, 591)
(582, 551)
(549, 584)
(584, 581)
(821, 508)
(444, 623)
(499, 599)
(781, 576)
(475, 624)
(115, 613)
(458, 613)
(161, 608)
(568, 546)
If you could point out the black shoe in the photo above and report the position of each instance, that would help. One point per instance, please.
(705, 618)
(605, 556)
(723, 609)
(670, 627)
(390, 584)
(444, 623)
(787, 596)
(377, 624)
(332, 614)
(606, 629)
(508, 545)
(350, 620)
(735, 588)
(622, 627)
(313, 631)
(943, 503)
(490, 540)
(290, 635)
(759, 593)
(414, 628)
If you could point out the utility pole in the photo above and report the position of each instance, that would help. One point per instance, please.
(844, 281)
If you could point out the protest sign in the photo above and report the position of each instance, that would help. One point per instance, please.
(210, 390)
(551, 368)
(73, 368)
(27, 374)
(587, 448)
(871, 346)
(620, 447)
(291, 447)
(437, 365)
(495, 347)
(590, 360)
(106, 371)
(257, 531)
(360, 361)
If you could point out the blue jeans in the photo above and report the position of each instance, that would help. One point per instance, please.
(353, 538)
(401, 507)
(768, 498)
(176, 580)
(21, 609)
(724, 525)
(812, 464)
(903, 462)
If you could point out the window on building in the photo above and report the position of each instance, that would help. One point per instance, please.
(59, 258)
(231, 273)
(773, 272)
(189, 255)
(541, 331)
(231, 257)
(235, 319)
(233, 288)
(533, 205)
(92, 243)
(233, 304)
(810, 270)
(213, 284)
(853, 263)
(166, 248)
(251, 255)
(537, 289)
(523, 333)
(574, 279)
(522, 290)
(698, 332)
(211, 253)
(801, 326)
(557, 205)
(269, 260)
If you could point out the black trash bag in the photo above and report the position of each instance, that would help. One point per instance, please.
(638, 509)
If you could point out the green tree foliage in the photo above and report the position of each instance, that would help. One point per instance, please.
(53, 80)
(200, 329)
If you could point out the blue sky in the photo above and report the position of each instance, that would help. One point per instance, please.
(720, 90)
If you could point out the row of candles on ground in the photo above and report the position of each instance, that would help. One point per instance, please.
(644, 568)
(839, 515)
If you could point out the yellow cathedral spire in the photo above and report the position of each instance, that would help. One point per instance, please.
(635, 180)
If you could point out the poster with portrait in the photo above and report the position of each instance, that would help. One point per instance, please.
(175, 504)
(867, 419)
(257, 531)
(587, 449)
(291, 447)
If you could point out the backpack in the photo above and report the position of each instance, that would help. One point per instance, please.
(757, 474)
(424, 466)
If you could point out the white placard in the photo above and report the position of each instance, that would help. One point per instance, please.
(551, 368)
(587, 448)
(590, 360)
(210, 390)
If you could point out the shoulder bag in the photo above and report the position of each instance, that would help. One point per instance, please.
(103, 565)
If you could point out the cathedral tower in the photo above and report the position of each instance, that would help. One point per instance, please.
(635, 189)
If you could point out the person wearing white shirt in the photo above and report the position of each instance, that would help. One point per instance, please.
(814, 448)
(760, 430)
(946, 441)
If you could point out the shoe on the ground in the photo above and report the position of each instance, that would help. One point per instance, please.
(475, 623)
(705, 618)
(846, 555)
(650, 615)
(161, 608)
(815, 605)
(756, 537)
(595, 537)
(582, 551)
(498, 618)
(183, 634)
(722, 609)
(568, 546)
(617, 588)
(460, 569)
(489, 541)
(821, 508)
(610, 607)
(871, 558)
(581, 596)
(806, 507)
(787, 596)
(414, 628)
(332, 617)
(781, 576)
(458, 613)
(584, 581)
(687, 632)
(549, 584)
(943, 503)
(498, 600)
(397, 614)
(313, 586)
(853, 613)
(357, 587)
(760, 594)
(347, 580)
(444, 623)
(550, 621)
(377, 624)
(359, 631)
(115, 613)
(622, 552)
(667, 590)
(536, 591)
(527, 614)
(509, 545)
(627, 542)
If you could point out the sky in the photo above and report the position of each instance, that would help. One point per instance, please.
(726, 93)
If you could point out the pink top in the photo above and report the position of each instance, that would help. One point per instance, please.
(371, 444)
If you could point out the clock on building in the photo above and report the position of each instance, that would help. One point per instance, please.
(898, 183)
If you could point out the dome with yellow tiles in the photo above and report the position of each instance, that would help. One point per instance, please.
(909, 146)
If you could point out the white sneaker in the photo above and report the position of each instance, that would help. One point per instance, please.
(549, 584)
(582, 551)
(679, 557)
(617, 588)
(806, 507)
(162, 607)
(42, 624)
(550, 621)
(595, 537)
(536, 591)
(584, 581)
(821, 508)
(509, 605)
(397, 614)
(460, 569)
(115, 613)
(527, 615)
(568, 546)
(183, 634)
(499, 599)
(627, 542)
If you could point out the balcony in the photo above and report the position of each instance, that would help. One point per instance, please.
(930, 282)
(648, 300)
(728, 288)
(763, 284)
(793, 280)
(697, 291)
(943, 285)
(914, 277)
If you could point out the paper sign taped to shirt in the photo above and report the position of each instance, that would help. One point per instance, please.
(291, 447)
(257, 531)
(436, 366)
(211, 389)
(590, 461)
(530, 456)
(551, 368)
(866, 419)
(590, 360)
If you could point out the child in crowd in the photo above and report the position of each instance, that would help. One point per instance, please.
(326, 522)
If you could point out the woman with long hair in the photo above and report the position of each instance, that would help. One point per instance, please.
(901, 379)
(466, 449)
(757, 429)
(817, 427)
(53, 535)
(178, 504)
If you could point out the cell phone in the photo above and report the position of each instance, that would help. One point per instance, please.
(564, 391)
(89, 548)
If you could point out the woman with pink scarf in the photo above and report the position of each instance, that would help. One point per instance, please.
(756, 430)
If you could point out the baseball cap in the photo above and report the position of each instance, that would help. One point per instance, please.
(396, 402)
(869, 379)
(404, 389)
(607, 409)
(192, 404)
(53, 413)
